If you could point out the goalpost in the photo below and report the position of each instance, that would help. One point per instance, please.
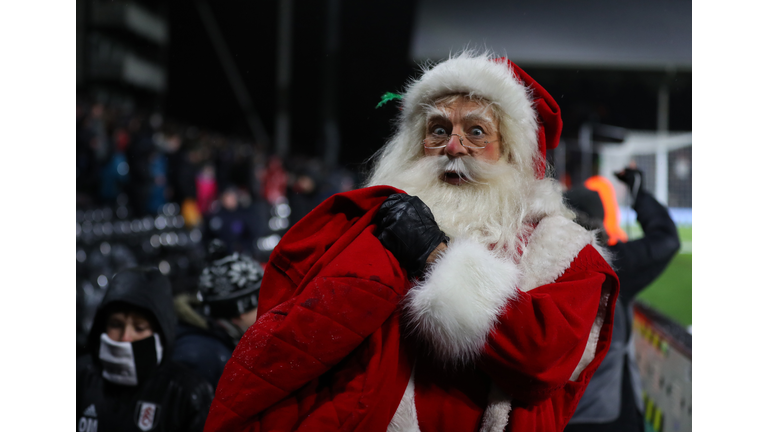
(666, 160)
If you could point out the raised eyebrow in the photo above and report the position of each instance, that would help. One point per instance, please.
(479, 118)
(437, 117)
(434, 112)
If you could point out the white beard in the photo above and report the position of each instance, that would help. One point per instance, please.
(489, 208)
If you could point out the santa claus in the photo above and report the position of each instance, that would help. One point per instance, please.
(455, 293)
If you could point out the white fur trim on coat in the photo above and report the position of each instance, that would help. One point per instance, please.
(594, 334)
(405, 419)
(457, 304)
(496, 415)
(551, 249)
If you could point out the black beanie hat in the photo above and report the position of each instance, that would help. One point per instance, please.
(229, 285)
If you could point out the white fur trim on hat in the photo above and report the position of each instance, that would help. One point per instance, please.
(479, 75)
(465, 73)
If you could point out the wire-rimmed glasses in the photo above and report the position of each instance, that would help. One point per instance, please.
(473, 142)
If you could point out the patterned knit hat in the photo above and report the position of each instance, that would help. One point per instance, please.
(229, 285)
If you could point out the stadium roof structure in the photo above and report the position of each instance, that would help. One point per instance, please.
(634, 34)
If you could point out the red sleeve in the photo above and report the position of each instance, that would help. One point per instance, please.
(296, 342)
(541, 336)
(328, 286)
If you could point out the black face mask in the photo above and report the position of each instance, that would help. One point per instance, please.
(129, 363)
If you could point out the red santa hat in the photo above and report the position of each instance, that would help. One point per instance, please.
(531, 121)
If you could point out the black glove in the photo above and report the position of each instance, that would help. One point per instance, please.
(407, 228)
(633, 178)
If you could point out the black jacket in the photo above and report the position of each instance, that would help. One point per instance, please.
(638, 263)
(181, 399)
(206, 351)
(172, 396)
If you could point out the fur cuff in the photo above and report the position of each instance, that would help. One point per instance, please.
(458, 303)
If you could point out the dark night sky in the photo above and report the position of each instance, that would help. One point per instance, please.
(374, 58)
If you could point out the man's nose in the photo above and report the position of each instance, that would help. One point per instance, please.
(454, 147)
(129, 335)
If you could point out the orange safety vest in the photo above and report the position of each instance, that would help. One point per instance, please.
(604, 188)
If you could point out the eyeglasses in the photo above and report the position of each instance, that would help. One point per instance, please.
(474, 142)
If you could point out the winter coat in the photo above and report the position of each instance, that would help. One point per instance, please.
(204, 350)
(638, 263)
(170, 398)
(174, 398)
(343, 342)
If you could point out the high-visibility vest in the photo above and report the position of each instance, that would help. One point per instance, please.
(604, 188)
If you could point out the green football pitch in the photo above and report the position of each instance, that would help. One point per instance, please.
(672, 293)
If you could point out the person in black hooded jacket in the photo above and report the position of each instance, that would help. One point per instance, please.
(612, 401)
(128, 381)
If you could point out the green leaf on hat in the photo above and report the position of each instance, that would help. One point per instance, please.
(388, 96)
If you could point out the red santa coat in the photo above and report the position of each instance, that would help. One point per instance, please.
(329, 350)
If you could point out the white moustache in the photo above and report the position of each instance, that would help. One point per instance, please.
(458, 166)
(470, 169)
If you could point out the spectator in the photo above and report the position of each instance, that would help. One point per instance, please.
(185, 167)
(611, 225)
(158, 171)
(274, 181)
(114, 174)
(129, 381)
(137, 155)
(304, 196)
(229, 223)
(612, 401)
(210, 329)
(207, 188)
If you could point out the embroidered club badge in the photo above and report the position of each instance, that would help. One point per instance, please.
(147, 415)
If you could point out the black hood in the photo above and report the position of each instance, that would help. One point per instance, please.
(145, 288)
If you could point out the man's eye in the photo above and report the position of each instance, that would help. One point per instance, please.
(476, 131)
(439, 131)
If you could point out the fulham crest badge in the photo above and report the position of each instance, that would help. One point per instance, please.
(147, 415)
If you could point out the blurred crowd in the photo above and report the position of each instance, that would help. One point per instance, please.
(152, 162)
(174, 224)
(153, 192)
